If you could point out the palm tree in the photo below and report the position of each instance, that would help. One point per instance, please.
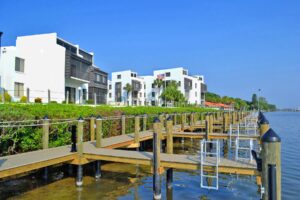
(128, 89)
(158, 83)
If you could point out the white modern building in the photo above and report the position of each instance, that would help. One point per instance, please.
(47, 66)
(192, 87)
(118, 95)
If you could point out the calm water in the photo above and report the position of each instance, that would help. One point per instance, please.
(122, 181)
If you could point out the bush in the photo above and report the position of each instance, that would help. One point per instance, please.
(38, 100)
(23, 99)
(7, 97)
(53, 102)
(90, 101)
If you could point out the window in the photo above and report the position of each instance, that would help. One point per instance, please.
(168, 74)
(19, 65)
(145, 86)
(184, 72)
(97, 78)
(109, 87)
(109, 95)
(153, 94)
(140, 94)
(195, 94)
(195, 85)
(84, 93)
(144, 94)
(104, 79)
(133, 75)
(19, 89)
(119, 76)
(153, 85)
(179, 83)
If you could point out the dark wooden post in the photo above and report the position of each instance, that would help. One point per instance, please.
(175, 119)
(156, 159)
(92, 128)
(169, 151)
(123, 119)
(207, 123)
(271, 165)
(99, 132)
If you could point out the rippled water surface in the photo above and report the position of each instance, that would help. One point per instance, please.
(124, 181)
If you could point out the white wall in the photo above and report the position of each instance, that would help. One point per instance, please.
(44, 66)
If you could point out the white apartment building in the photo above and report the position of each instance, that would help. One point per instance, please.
(192, 87)
(47, 65)
(117, 95)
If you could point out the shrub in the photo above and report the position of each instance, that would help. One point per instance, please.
(23, 99)
(90, 101)
(7, 97)
(53, 102)
(38, 100)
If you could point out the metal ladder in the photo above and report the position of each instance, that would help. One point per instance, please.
(233, 129)
(210, 159)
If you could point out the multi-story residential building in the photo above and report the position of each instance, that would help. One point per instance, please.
(118, 95)
(45, 63)
(192, 87)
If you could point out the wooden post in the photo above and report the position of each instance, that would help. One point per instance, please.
(136, 129)
(224, 122)
(49, 96)
(80, 137)
(28, 95)
(145, 122)
(211, 123)
(161, 119)
(67, 99)
(99, 132)
(175, 119)
(45, 142)
(169, 151)
(182, 122)
(95, 98)
(263, 125)
(271, 165)
(79, 178)
(156, 159)
(123, 119)
(45, 132)
(207, 123)
(207, 129)
(92, 128)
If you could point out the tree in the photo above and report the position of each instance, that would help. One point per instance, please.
(171, 93)
(128, 89)
(254, 101)
(158, 83)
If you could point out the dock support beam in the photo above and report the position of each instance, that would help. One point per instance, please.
(136, 129)
(92, 128)
(97, 169)
(156, 160)
(145, 122)
(79, 177)
(271, 165)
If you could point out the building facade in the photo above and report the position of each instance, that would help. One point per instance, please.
(145, 92)
(43, 66)
(118, 95)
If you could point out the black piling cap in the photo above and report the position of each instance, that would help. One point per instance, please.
(270, 136)
(169, 118)
(80, 118)
(263, 120)
(99, 117)
(156, 120)
(46, 117)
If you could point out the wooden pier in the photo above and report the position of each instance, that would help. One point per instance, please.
(105, 149)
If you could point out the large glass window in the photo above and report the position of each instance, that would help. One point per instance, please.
(19, 64)
(19, 89)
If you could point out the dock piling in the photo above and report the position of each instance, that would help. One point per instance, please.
(169, 151)
(45, 142)
(92, 128)
(79, 177)
(97, 169)
(123, 119)
(145, 122)
(99, 132)
(136, 129)
(271, 165)
(156, 160)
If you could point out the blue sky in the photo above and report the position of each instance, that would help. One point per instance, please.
(239, 46)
